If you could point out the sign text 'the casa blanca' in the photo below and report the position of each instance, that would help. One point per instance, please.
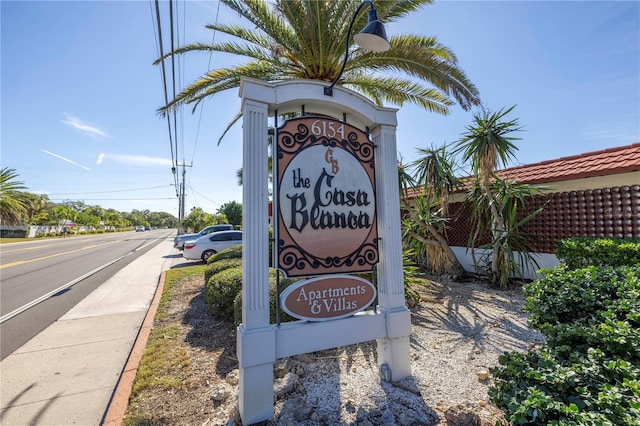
(325, 194)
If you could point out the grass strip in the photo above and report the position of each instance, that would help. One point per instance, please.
(165, 364)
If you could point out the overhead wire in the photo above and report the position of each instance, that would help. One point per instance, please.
(174, 159)
(115, 199)
(109, 192)
(174, 142)
(173, 77)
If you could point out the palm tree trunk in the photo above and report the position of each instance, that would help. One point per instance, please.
(439, 241)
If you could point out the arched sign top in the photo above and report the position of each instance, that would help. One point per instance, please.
(291, 95)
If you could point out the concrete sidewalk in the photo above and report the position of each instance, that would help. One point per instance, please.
(67, 374)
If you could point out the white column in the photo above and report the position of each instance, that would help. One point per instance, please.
(393, 350)
(255, 337)
(255, 199)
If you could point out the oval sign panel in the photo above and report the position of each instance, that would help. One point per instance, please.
(325, 298)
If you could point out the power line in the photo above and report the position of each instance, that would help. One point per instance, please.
(208, 199)
(195, 144)
(173, 79)
(109, 192)
(114, 199)
(174, 158)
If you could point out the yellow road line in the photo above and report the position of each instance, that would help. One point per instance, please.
(26, 248)
(22, 262)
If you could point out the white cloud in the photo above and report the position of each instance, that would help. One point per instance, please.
(76, 123)
(100, 158)
(139, 160)
(65, 159)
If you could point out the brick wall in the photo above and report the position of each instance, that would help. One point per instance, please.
(607, 212)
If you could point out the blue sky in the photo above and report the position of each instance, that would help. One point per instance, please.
(79, 92)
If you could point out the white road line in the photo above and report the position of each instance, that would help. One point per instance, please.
(66, 286)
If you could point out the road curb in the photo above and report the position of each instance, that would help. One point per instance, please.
(114, 415)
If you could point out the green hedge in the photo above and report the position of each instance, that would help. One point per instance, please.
(220, 265)
(588, 372)
(587, 308)
(579, 252)
(533, 388)
(223, 292)
(284, 283)
(234, 252)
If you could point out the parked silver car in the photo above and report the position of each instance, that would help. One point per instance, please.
(178, 241)
(208, 245)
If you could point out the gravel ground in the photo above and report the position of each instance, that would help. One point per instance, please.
(458, 332)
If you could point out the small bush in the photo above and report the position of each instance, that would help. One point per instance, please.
(589, 370)
(579, 252)
(568, 296)
(220, 265)
(535, 389)
(230, 253)
(221, 291)
(284, 283)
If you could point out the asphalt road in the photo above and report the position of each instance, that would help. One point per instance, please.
(42, 280)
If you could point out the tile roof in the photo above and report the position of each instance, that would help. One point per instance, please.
(597, 163)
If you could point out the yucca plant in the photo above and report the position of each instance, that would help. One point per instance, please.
(487, 144)
(432, 181)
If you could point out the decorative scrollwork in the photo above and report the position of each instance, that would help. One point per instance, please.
(296, 261)
(291, 143)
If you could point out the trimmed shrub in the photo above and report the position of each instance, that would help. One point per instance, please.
(224, 294)
(592, 389)
(579, 252)
(222, 289)
(220, 265)
(583, 296)
(230, 253)
(284, 283)
(589, 370)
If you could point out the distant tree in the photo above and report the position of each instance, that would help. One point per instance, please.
(91, 216)
(139, 217)
(167, 219)
(114, 218)
(233, 211)
(12, 200)
(63, 214)
(197, 219)
(38, 207)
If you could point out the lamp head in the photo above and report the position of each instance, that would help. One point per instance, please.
(373, 37)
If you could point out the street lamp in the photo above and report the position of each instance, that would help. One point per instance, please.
(373, 37)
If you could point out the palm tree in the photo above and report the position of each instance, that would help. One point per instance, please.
(12, 201)
(37, 206)
(487, 144)
(305, 39)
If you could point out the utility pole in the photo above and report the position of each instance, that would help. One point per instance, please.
(181, 196)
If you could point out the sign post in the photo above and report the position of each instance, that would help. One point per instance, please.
(338, 212)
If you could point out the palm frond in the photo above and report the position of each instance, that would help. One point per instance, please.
(306, 39)
(233, 121)
(398, 91)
